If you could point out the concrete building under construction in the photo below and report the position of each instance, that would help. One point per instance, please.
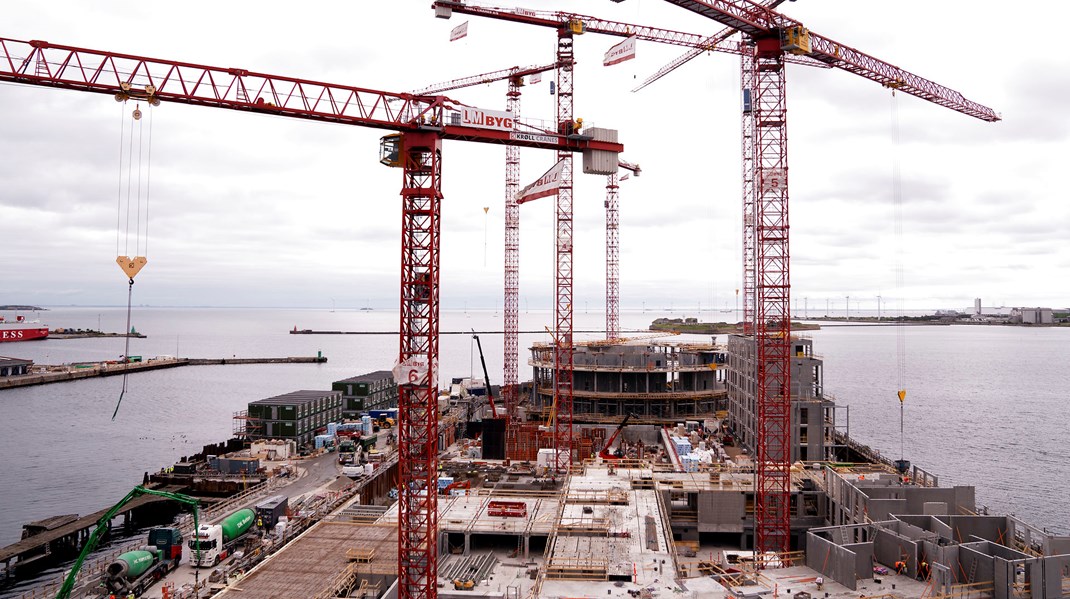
(814, 433)
(656, 381)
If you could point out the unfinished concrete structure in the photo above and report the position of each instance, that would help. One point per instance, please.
(813, 416)
(956, 555)
(656, 381)
(936, 535)
(620, 527)
(867, 492)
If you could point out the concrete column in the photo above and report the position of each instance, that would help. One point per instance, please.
(467, 543)
(527, 544)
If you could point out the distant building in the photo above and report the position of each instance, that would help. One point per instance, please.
(372, 391)
(977, 306)
(294, 416)
(14, 366)
(1032, 315)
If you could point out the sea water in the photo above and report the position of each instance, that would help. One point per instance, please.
(985, 404)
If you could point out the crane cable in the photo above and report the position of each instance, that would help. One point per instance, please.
(132, 265)
(900, 326)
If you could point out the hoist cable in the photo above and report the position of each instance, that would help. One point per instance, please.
(900, 326)
(139, 251)
(148, 181)
(129, 185)
(126, 352)
(140, 153)
(119, 199)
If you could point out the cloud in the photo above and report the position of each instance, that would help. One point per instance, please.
(249, 209)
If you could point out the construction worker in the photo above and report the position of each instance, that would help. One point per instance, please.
(923, 570)
(900, 567)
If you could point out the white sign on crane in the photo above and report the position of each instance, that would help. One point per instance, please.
(619, 53)
(486, 119)
(459, 31)
(546, 185)
(413, 370)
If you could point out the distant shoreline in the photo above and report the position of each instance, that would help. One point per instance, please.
(689, 326)
(18, 308)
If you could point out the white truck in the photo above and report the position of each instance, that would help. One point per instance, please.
(214, 541)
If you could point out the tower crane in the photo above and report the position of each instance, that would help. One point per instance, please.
(567, 25)
(613, 248)
(747, 150)
(511, 313)
(422, 123)
(770, 40)
(714, 40)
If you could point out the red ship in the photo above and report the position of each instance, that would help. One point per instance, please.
(22, 329)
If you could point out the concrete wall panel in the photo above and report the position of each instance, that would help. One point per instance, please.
(889, 548)
(966, 529)
(1055, 568)
(1001, 579)
(721, 511)
(974, 564)
(863, 562)
(1059, 546)
(882, 509)
(832, 561)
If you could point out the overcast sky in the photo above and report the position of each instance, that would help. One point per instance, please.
(252, 210)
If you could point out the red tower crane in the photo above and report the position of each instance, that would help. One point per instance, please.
(770, 39)
(613, 249)
(747, 147)
(423, 122)
(511, 314)
(567, 26)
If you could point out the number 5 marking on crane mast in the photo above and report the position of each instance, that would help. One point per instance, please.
(774, 179)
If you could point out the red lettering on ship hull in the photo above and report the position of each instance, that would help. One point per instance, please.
(23, 334)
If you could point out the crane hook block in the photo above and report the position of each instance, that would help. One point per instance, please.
(131, 266)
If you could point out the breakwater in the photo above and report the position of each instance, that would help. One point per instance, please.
(43, 375)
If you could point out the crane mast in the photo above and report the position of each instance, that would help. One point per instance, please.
(775, 39)
(511, 312)
(423, 125)
(511, 275)
(613, 249)
(563, 349)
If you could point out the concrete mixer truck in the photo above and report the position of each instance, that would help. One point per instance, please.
(135, 571)
(215, 541)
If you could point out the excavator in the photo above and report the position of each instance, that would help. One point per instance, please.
(102, 528)
(607, 453)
